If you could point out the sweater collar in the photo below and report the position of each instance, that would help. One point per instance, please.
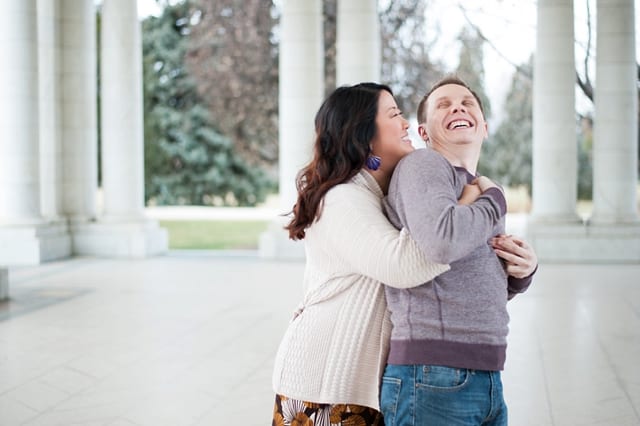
(364, 178)
(470, 177)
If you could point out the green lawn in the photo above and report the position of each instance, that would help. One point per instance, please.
(213, 235)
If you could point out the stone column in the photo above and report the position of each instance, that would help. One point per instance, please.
(49, 109)
(24, 237)
(612, 235)
(358, 51)
(19, 155)
(301, 91)
(121, 108)
(615, 142)
(79, 109)
(554, 228)
(555, 159)
(122, 230)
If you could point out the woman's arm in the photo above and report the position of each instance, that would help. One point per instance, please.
(353, 229)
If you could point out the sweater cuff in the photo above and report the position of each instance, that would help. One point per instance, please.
(496, 195)
(519, 285)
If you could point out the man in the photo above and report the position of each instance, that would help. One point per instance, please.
(448, 343)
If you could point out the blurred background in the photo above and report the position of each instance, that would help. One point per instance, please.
(212, 144)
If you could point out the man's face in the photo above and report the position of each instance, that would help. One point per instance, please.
(453, 117)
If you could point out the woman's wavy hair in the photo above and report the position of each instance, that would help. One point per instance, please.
(345, 125)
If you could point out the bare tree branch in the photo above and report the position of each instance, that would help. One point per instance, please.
(587, 55)
(586, 86)
(523, 71)
(406, 64)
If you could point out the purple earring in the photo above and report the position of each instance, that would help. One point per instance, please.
(373, 162)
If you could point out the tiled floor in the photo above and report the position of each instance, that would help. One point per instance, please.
(189, 339)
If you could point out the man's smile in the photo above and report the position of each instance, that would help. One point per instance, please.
(459, 124)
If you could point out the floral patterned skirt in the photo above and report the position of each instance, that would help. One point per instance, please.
(293, 412)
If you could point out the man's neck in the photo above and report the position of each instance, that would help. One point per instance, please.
(465, 156)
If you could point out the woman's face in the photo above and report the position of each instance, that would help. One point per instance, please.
(391, 141)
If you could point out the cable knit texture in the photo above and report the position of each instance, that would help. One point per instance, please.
(335, 348)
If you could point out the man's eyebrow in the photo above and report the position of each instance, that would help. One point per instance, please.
(446, 98)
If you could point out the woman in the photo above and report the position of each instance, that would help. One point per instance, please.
(330, 361)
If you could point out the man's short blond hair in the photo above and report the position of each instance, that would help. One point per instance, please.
(450, 79)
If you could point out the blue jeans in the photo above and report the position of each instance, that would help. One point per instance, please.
(416, 395)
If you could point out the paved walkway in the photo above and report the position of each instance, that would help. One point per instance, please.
(189, 338)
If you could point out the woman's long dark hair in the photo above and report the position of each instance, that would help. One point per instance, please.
(345, 125)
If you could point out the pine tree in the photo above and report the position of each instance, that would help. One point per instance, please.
(507, 154)
(188, 161)
(471, 66)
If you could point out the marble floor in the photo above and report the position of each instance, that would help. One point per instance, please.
(189, 339)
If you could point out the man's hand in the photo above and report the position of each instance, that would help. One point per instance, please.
(519, 258)
(484, 183)
(470, 193)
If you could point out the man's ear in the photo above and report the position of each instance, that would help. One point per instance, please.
(422, 131)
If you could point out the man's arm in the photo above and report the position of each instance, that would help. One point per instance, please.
(423, 194)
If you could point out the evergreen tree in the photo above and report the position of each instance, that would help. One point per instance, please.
(585, 158)
(507, 153)
(188, 161)
(471, 66)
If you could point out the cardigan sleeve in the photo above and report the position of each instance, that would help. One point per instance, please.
(353, 229)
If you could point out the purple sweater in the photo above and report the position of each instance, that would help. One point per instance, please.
(459, 319)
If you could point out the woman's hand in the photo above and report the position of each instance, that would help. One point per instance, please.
(519, 258)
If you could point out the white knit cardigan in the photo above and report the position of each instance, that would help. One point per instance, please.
(335, 349)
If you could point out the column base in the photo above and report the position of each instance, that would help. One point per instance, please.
(4, 284)
(34, 244)
(275, 243)
(132, 239)
(585, 242)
